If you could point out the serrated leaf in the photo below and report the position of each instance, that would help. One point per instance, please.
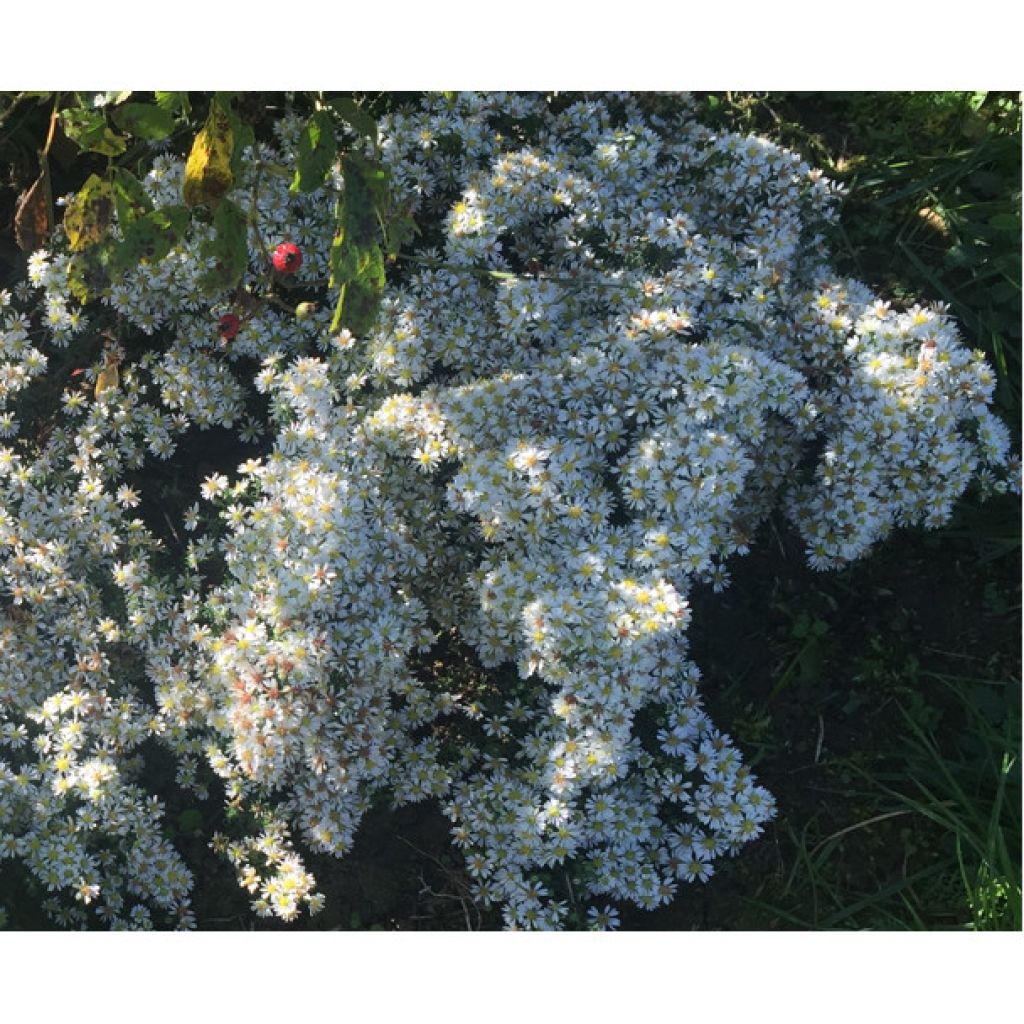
(343, 259)
(229, 248)
(144, 120)
(318, 149)
(89, 129)
(977, 100)
(208, 176)
(358, 274)
(89, 214)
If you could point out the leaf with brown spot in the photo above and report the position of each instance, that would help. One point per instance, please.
(208, 169)
(90, 130)
(32, 218)
(89, 214)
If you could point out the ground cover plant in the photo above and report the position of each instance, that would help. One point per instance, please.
(385, 466)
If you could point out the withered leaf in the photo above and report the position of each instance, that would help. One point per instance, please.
(89, 214)
(32, 223)
(208, 169)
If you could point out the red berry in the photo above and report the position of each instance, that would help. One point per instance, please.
(287, 258)
(229, 326)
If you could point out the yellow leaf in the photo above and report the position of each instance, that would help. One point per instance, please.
(208, 170)
(89, 214)
(108, 378)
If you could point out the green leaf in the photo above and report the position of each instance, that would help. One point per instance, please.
(89, 214)
(229, 248)
(175, 102)
(318, 149)
(371, 181)
(1006, 222)
(130, 199)
(242, 135)
(401, 230)
(174, 219)
(364, 293)
(88, 128)
(358, 273)
(114, 97)
(244, 138)
(150, 238)
(86, 276)
(144, 120)
(356, 259)
(354, 116)
(190, 820)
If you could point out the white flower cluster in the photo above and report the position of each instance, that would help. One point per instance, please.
(617, 349)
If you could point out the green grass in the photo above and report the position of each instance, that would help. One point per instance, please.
(934, 836)
(973, 794)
